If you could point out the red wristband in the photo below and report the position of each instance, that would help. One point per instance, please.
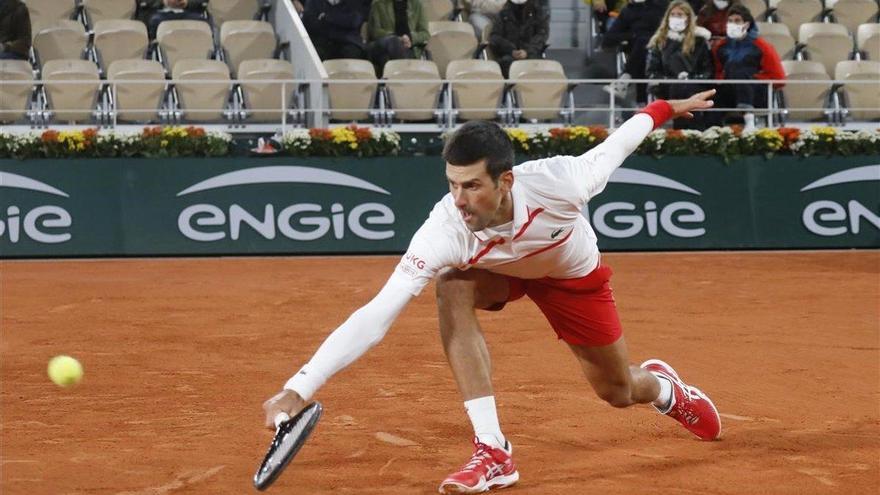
(660, 111)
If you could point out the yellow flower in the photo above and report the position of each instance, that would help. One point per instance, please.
(174, 131)
(353, 145)
(519, 135)
(579, 131)
(163, 143)
(343, 135)
(827, 132)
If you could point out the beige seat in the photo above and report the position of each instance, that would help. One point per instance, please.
(233, 10)
(202, 101)
(826, 43)
(793, 13)
(413, 101)
(758, 8)
(868, 36)
(263, 100)
(72, 101)
(43, 12)
(244, 40)
(181, 40)
(477, 88)
(351, 101)
(100, 10)
(14, 97)
(777, 34)
(861, 96)
(450, 41)
(64, 39)
(852, 13)
(119, 39)
(437, 10)
(805, 102)
(538, 100)
(139, 87)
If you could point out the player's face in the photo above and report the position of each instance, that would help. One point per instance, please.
(481, 201)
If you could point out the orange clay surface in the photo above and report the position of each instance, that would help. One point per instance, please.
(179, 355)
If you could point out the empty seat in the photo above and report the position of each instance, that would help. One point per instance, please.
(538, 100)
(139, 87)
(243, 40)
(119, 39)
(437, 10)
(450, 41)
(351, 101)
(413, 101)
(805, 102)
(861, 99)
(100, 10)
(793, 13)
(74, 101)
(16, 78)
(758, 8)
(868, 37)
(233, 10)
(181, 40)
(202, 101)
(64, 39)
(477, 88)
(263, 100)
(826, 43)
(852, 13)
(777, 34)
(43, 12)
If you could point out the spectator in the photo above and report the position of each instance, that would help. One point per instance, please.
(298, 7)
(744, 55)
(397, 29)
(15, 30)
(605, 12)
(680, 50)
(334, 27)
(636, 25)
(521, 32)
(482, 13)
(153, 12)
(713, 16)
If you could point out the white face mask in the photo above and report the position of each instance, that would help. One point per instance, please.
(518, 2)
(736, 31)
(638, 1)
(334, 2)
(677, 24)
(721, 4)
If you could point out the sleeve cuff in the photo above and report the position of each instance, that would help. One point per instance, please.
(660, 111)
(305, 383)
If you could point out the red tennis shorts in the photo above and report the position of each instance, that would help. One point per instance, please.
(580, 310)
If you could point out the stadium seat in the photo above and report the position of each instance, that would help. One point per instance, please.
(233, 10)
(262, 99)
(868, 36)
(72, 101)
(118, 39)
(800, 97)
(777, 34)
(538, 100)
(852, 13)
(477, 88)
(351, 101)
(438, 10)
(758, 8)
(860, 100)
(826, 43)
(44, 12)
(63, 39)
(14, 97)
(450, 41)
(245, 40)
(202, 101)
(100, 10)
(179, 40)
(412, 101)
(137, 101)
(793, 13)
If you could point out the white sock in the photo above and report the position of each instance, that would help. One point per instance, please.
(662, 401)
(485, 420)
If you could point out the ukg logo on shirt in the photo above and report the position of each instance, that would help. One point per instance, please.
(42, 223)
(305, 221)
(830, 218)
(622, 220)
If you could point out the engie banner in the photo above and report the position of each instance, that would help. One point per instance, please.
(118, 207)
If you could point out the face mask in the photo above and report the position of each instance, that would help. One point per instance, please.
(736, 31)
(334, 2)
(721, 4)
(677, 24)
(518, 2)
(638, 1)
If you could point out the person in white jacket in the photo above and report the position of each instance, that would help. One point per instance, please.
(482, 13)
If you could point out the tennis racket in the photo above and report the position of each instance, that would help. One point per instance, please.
(292, 433)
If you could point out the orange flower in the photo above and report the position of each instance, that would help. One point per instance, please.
(152, 131)
(320, 134)
(559, 133)
(599, 131)
(90, 134)
(195, 132)
(674, 134)
(362, 133)
(49, 136)
(789, 135)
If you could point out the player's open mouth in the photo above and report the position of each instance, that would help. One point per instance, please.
(465, 215)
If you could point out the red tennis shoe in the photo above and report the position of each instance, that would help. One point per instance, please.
(689, 406)
(488, 468)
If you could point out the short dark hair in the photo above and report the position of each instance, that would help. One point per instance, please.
(742, 11)
(477, 140)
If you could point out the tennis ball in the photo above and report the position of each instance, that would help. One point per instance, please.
(65, 371)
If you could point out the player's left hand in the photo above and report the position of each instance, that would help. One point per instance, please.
(286, 401)
(683, 108)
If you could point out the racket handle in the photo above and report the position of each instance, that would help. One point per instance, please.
(280, 418)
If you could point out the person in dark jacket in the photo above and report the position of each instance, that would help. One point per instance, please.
(744, 55)
(334, 27)
(15, 30)
(680, 50)
(636, 24)
(713, 16)
(154, 12)
(397, 29)
(521, 32)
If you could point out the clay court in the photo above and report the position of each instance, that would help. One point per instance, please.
(180, 353)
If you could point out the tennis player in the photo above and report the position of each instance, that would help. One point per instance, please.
(501, 233)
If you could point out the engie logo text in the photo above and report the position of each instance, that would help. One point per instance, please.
(39, 221)
(841, 215)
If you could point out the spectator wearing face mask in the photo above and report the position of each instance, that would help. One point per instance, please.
(334, 26)
(521, 32)
(636, 24)
(482, 13)
(605, 12)
(397, 29)
(713, 16)
(15, 30)
(680, 50)
(742, 54)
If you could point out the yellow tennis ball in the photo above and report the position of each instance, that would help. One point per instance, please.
(65, 371)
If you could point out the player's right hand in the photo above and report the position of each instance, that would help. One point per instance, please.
(286, 401)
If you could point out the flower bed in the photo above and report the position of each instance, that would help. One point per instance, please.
(341, 141)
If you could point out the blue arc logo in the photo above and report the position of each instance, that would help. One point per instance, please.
(282, 175)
